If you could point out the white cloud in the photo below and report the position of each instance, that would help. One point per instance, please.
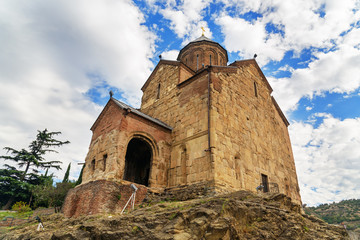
(250, 38)
(186, 18)
(334, 71)
(48, 53)
(300, 24)
(170, 55)
(327, 159)
(308, 108)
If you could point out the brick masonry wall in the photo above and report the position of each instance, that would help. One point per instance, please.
(250, 138)
(100, 196)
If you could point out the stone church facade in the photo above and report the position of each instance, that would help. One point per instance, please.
(201, 122)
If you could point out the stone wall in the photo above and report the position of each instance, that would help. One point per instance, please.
(250, 135)
(100, 197)
(184, 107)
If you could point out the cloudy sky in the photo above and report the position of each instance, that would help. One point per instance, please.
(59, 59)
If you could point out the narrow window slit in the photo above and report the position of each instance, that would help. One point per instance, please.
(158, 92)
(104, 161)
(255, 90)
(93, 165)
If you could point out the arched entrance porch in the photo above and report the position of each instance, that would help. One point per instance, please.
(138, 160)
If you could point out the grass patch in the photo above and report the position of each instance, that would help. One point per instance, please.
(135, 229)
(172, 216)
(23, 215)
(223, 207)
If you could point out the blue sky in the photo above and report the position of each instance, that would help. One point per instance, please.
(59, 60)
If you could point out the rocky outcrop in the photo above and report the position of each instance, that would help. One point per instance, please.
(241, 215)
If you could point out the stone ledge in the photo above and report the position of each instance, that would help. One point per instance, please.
(183, 193)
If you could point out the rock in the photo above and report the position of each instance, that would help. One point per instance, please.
(240, 215)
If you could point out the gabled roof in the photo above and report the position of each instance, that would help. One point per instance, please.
(280, 112)
(165, 62)
(253, 61)
(139, 113)
(130, 109)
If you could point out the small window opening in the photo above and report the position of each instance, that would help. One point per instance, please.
(265, 182)
(93, 165)
(220, 62)
(184, 159)
(186, 61)
(255, 90)
(104, 161)
(158, 92)
(197, 62)
(210, 59)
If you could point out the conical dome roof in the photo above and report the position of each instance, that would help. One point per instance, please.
(202, 38)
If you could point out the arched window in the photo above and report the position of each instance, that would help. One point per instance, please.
(184, 159)
(255, 90)
(158, 92)
(197, 62)
(93, 165)
(104, 161)
(210, 59)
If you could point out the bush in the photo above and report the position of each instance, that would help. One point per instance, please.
(21, 207)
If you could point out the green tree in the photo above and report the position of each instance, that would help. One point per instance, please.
(67, 173)
(32, 159)
(11, 186)
(59, 193)
(52, 196)
(79, 181)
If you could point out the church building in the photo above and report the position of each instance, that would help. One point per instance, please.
(202, 122)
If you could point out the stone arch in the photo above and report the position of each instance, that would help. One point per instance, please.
(213, 52)
(222, 60)
(140, 153)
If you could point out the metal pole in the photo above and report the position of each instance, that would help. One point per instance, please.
(127, 203)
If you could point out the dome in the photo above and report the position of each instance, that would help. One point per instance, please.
(202, 52)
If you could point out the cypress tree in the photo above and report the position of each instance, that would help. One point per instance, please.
(79, 181)
(67, 173)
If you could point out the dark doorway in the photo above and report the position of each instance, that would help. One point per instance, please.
(265, 183)
(137, 161)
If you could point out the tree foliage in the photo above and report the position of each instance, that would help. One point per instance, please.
(79, 180)
(34, 157)
(16, 184)
(50, 195)
(67, 173)
(345, 212)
